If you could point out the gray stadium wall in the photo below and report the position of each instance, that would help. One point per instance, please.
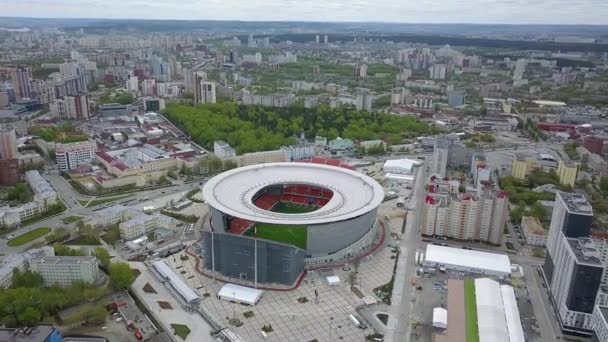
(234, 258)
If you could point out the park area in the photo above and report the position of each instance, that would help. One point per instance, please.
(181, 330)
(29, 236)
(292, 235)
(470, 308)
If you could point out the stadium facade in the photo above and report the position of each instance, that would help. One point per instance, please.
(268, 222)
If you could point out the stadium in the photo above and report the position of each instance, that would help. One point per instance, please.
(268, 222)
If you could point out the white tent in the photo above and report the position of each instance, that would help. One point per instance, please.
(333, 280)
(440, 318)
(240, 294)
(491, 320)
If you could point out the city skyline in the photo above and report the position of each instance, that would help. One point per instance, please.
(578, 12)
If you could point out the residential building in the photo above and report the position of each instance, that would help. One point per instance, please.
(21, 78)
(360, 71)
(8, 142)
(440, 161)
(64, 270)
(463, 216)
(567, 171)
(533, 231)
(340, 144)
(438, 72)
(594, 144)
(72, 155)
(522, 166)
(364, 101)
(143, 224)
(253, 158)
(132, 84)
(300, 151)
(222, 150)
(148, 87)
(456, 98)
(72, 107)
(573, 268)
(207, 92)
(9, 171)
(21, 262)
(599, 324)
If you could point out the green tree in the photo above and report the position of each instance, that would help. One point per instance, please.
(30, 317)
(121, 274)
(26, 279)
(103, 256)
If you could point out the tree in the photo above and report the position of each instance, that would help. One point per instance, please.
(26, 279)
(103, 256)
(121, 274)
(30, 317)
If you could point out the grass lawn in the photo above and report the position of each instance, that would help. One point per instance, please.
(470, 308)
(100, 201)
(293, 235)
(290, 208)
(181, 330)
(71, 219)
(29, 236)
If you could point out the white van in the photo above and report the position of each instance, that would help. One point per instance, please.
(357, 322)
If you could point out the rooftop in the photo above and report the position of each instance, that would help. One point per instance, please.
(585, 252)
(37, 334)
(232, 192)
(468, 258)
(576, 203)
(65, 260)
(532, 225)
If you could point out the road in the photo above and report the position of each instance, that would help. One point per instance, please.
(71, 198)
(398, 327)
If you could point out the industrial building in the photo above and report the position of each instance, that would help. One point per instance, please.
(463, 260)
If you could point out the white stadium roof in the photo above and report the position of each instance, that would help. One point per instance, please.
(468, 258)
(232, 192)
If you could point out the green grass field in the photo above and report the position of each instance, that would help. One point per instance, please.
(470, 308)
(181, 330)
(290, 208)
(293, 235)
(29, 236)
(71, 219)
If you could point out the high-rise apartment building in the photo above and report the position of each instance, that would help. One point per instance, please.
(573, 268)
(207, 94)
(72, 107)
(21, 78)
(8, 142)
(567, 171)
(198, 78)
(463, 216)
(360, 71)
(364, 101)
(440, 161)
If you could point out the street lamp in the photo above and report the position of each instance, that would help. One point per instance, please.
(331, 319)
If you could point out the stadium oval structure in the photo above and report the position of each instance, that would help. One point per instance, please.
(233, 192)
(300, 213)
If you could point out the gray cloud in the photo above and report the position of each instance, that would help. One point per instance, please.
(432, 11)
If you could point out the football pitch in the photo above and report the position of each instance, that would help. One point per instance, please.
(292, 235)
(291, 208)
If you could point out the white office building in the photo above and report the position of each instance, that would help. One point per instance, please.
(222, 150)
(207, 94)
(64, 270)
(70, 156)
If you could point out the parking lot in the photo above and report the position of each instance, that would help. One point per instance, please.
(433, 293)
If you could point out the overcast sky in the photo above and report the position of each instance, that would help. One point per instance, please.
(428, 11)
